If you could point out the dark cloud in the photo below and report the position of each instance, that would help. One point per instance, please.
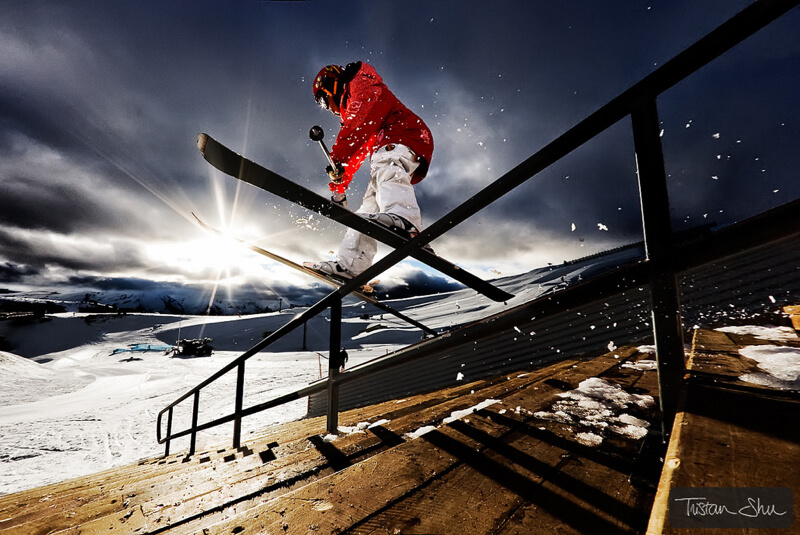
(63, 207)
(15, 273)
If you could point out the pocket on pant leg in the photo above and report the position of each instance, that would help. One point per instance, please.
(396, 165)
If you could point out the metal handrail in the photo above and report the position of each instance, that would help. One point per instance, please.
(637, 100)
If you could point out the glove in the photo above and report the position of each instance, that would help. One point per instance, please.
(337, 175)
(340, 199)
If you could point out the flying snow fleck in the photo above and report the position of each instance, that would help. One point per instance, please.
(601, 226)
(573, 227)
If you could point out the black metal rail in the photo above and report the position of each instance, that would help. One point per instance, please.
(638, 102)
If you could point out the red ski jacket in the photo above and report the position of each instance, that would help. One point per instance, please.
(371, 118)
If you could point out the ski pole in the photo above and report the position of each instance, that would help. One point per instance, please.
(317, 134)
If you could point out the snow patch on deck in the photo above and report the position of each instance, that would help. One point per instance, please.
(775, 334)
(780, 366)
(602, 407)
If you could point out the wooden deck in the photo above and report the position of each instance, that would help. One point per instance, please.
(516, 464)
(526, 454)
(730, 433)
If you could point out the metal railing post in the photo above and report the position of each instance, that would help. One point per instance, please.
(333, 366)
(665, 299)
(169, 432)
(237, 422)
(195, 415)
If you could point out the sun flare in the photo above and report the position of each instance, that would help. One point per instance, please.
(205, 257)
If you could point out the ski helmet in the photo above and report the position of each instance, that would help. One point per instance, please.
(328, 85)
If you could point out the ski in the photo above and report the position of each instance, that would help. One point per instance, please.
(336, 283)
(237, 166)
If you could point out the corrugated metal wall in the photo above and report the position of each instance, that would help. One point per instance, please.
(740, 287)
(582, 320)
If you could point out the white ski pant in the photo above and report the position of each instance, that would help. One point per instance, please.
(389, 191)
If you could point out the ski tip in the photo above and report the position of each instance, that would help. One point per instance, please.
(202, 139)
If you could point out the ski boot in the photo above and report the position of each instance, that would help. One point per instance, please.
(398, 225)
(330, 269)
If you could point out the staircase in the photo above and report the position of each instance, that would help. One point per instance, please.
(494, 467)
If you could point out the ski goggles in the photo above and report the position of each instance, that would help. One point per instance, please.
(322, 99)
(324, 94)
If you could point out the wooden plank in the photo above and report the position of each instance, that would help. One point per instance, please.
(721, 436)
(658, 514)
(590, 492)
(583, 497)
(519, 482)
(793, 311)
(438, 505)
(716, 358)
(710, 341)
(723, 441)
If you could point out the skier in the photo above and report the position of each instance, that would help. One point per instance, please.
(375, 124)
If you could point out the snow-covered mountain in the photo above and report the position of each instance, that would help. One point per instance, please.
(176, 298)
(163, 299)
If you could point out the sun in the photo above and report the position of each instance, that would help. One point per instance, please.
(205, 257)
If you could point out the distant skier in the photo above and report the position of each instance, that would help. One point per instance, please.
(375, 124)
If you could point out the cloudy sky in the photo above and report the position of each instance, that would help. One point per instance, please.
(101, 102)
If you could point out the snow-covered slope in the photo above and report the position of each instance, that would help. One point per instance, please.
(83, 409)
